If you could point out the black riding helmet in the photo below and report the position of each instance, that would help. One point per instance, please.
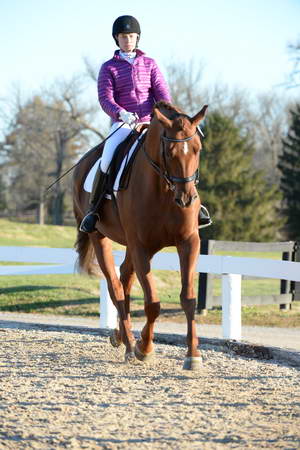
(126, 24)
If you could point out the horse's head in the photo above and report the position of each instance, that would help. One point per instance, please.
(181, 145)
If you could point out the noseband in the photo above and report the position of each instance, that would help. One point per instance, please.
(165, 173)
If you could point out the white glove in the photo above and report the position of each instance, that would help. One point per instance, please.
(127, 117)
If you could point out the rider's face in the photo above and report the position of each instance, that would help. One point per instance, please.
(127, 41)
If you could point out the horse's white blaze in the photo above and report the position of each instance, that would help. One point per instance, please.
(185, 148)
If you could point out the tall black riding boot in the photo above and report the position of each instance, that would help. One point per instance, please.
(204, 219)
(98, 191)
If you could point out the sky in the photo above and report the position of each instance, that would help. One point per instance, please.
(242, 43)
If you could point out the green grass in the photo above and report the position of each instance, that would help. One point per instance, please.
(267, 316)
(29, 235)
(52, 294)
(78, 295)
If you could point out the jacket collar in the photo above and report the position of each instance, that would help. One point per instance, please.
(138, 53)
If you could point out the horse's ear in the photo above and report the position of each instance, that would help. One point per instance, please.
(199, 116)
(166, 123)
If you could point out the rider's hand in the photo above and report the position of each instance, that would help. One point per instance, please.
(127, 117)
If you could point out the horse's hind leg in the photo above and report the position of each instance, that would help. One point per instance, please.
(188, 253)
(103, 250)
(127, 276)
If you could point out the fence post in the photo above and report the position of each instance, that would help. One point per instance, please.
(202, 282)
(108, 312)
(231, 306)
(205, 285)
(285, 285)
(297, 283)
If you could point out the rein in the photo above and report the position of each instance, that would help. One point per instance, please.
(170, 180)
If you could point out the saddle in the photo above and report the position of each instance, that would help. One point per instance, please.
(122, 152)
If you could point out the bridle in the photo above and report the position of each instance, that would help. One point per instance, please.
(163, 172)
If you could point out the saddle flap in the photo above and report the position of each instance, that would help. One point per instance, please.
(121, 154)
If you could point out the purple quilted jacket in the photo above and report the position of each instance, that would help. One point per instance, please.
(134, 87)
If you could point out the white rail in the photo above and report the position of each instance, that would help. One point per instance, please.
(231, 269)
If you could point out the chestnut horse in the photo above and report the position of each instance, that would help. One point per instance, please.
(159, 208)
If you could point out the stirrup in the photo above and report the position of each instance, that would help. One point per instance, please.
(205, 218)
(205, 225)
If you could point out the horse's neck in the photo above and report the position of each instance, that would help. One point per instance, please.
(151, 181)
(152, 144)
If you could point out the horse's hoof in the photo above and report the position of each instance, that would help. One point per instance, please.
(145, 357)
(192, 363)
(114, 338)
(130, 358)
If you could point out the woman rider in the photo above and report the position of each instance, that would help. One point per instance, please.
(129, 85)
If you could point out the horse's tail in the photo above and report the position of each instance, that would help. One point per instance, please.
(86, 255)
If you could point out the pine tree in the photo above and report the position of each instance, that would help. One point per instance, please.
(242, 205)
(289, 166)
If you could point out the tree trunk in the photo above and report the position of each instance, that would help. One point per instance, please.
(58, 200)
(57, 207)
(41, 213)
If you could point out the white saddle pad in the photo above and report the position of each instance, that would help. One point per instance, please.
(88, 184)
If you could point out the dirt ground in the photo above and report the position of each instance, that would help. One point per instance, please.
(73, 390)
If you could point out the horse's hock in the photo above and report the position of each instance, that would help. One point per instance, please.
(73, 390)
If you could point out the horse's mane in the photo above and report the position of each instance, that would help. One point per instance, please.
(169, 110)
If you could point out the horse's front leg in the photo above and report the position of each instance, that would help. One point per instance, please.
(144, 349)
(188, 252)
(127, 276)
(103, 249)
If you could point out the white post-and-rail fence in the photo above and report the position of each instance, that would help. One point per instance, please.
(230, 268)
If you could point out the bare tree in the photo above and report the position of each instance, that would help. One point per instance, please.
(293, 80)
(269, 122)
(90, 69)
(46, 134)
(184, 80)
